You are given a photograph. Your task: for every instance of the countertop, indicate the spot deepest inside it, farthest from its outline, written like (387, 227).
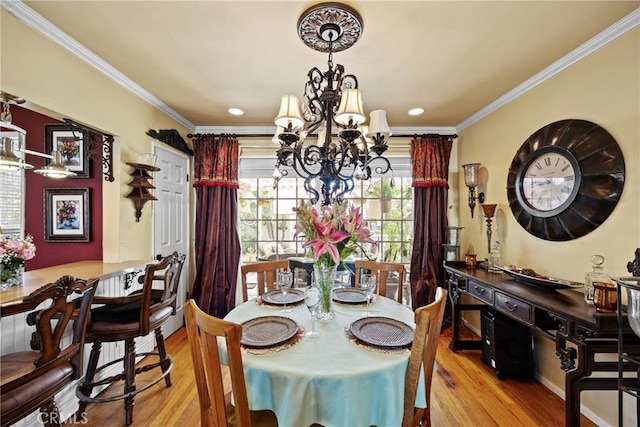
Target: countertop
(82, 269)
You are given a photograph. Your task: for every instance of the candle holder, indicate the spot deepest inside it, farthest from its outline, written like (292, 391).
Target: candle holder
(489, 211)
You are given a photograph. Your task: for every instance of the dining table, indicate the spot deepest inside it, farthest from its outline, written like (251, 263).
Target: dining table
(333, 379)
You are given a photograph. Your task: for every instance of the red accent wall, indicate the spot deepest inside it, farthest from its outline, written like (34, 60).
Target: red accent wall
(55, 253)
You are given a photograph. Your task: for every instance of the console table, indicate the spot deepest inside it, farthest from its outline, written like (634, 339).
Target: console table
(560, 315)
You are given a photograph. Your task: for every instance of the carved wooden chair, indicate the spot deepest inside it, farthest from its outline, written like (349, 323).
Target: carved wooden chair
(266, 272)
(30, 379)
(423, 355)
(125, 319)
(203, 331)
(381, 270)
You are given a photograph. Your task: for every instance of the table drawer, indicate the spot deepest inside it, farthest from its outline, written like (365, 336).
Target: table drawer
(513, 307)
(480, 291)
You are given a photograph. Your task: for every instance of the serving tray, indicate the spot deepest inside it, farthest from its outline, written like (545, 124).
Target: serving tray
(276, 297)
(382, 332)
(268, 331)
(548, 283)
(349, 296)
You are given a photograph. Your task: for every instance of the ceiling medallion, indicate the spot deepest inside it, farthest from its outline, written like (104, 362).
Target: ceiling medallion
(330, 22)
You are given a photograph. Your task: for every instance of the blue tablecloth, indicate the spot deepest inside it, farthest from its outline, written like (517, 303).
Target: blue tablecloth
(329, 380)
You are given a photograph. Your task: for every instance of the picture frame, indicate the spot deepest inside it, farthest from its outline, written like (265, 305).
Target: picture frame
(72, 145)
(67, 215)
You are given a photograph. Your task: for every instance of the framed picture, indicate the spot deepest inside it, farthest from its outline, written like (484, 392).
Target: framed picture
(67, 215)
(72, 145)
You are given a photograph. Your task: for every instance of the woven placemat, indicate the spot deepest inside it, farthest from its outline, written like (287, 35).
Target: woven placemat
(382, 331)
(356, 341)
(285, 345)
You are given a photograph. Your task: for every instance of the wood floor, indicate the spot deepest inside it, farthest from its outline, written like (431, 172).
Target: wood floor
(465, 392)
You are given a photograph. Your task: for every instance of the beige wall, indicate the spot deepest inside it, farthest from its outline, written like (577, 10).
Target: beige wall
(603, 88)
(39, 70)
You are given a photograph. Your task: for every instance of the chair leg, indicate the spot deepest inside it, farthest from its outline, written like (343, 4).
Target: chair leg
(129, 379)
(50, 414)
(86, 386)
(162, 351)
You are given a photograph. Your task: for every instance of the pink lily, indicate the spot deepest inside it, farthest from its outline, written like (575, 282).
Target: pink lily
(327, 244)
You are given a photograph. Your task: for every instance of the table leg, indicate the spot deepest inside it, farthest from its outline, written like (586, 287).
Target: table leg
(573, 376)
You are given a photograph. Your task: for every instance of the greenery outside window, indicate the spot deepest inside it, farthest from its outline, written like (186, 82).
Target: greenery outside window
(267, 219)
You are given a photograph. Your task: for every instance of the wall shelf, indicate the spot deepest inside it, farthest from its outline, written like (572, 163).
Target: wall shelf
(141, 186)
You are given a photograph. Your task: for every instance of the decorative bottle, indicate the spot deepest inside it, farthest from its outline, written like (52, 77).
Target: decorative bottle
(495, 258)
(597, 275)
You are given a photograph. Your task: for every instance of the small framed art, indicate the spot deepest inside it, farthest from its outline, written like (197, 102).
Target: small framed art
(67, 215)
(72, 145)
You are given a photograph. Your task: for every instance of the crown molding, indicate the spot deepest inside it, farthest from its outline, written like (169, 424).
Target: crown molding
(271, 130)
(40, 24)
(621, 27)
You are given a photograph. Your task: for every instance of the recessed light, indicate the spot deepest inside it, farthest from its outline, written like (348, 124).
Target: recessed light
(416, 111)
(236, 111)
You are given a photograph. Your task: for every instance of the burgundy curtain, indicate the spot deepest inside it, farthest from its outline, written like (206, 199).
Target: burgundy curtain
(217, 245)
(430, 163)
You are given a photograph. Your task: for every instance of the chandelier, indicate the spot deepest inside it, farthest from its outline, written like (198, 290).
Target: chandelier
(331, 100)
(9, 160)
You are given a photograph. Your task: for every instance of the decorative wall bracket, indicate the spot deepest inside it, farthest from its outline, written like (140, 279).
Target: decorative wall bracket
(140, 186)
(97, 152)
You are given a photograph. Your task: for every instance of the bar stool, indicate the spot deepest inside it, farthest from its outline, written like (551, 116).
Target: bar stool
(30, 379)
(124, 319)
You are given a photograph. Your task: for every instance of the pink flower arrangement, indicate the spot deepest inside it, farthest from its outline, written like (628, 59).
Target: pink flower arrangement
(333, 232)
(70, 147)
(66, 210)
(17, 251)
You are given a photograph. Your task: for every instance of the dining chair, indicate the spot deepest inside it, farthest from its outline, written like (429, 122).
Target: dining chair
(266, 275)
(214, 392)
(381, 270)
(126, 319)
(30, 379)
(428, 321)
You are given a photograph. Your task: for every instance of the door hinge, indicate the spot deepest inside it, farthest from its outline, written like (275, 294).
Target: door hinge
(187, 177)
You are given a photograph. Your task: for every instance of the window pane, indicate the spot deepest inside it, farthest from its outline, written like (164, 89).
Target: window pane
(268, 221)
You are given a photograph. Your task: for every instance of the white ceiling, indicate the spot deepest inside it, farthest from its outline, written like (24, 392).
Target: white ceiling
(452, 58)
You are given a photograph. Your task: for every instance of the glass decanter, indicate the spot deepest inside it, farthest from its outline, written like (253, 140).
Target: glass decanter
(495, 258)
(597, 275)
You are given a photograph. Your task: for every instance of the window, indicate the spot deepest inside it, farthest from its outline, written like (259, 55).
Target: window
(267, 219)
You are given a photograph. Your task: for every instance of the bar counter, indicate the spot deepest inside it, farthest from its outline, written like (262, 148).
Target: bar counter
(82, 269)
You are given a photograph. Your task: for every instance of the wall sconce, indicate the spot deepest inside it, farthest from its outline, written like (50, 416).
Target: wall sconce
(471, 180)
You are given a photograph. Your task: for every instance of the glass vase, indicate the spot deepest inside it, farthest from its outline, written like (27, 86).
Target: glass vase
(325, 277)
(10, 275)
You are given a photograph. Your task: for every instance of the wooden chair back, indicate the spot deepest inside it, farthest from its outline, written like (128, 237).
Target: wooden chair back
(30, 377)
(428, 321)
(381, 270)
(266, 272)
(203, 331)
(171, 281)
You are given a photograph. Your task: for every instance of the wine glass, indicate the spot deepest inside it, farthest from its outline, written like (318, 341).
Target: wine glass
(312, 300)
(284, 281)
(368, 285)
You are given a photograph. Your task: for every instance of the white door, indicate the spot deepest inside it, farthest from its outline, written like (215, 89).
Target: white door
(171, 219)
